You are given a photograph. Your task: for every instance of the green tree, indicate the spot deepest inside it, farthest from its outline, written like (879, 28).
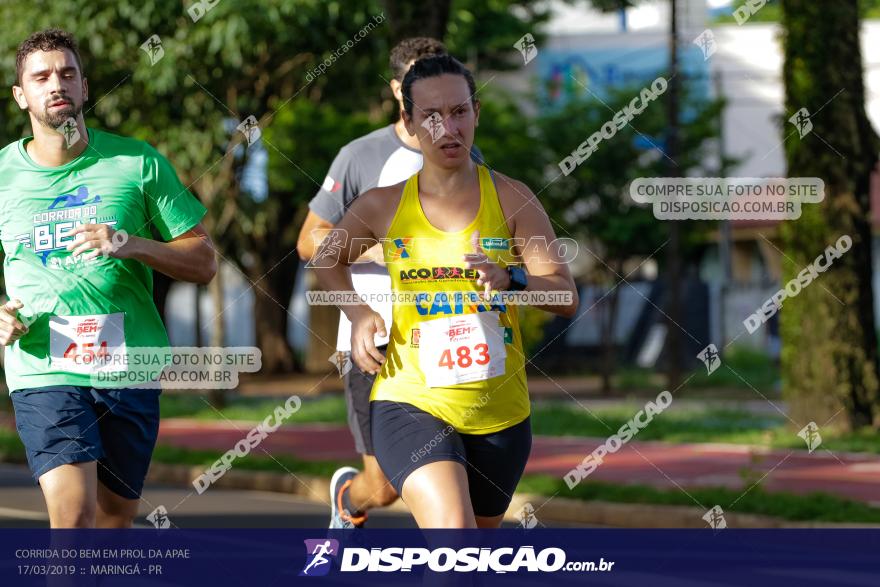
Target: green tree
(829, 354)
(592, 202)
(772, 11)
(672, 151)
(418, 19)
(485, 33)
(310, 134)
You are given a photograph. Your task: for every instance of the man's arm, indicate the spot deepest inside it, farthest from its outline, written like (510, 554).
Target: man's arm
(314, 230)
(341, 187)
(331, 266)
(188, 257)
(171, 209)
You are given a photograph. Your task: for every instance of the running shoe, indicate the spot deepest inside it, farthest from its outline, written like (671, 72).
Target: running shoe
(339, 516)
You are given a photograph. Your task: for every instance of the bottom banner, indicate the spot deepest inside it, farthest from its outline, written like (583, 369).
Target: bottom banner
(275, 557)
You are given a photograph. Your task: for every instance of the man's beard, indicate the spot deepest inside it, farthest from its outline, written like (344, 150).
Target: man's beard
(56, 118)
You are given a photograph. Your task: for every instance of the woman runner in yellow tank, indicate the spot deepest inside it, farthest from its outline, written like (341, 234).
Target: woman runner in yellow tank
(450, 407)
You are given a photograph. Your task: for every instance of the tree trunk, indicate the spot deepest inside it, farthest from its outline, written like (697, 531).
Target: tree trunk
(217, 397)
(272, 292)
(829, 353)
(609, 320)
(673, 251)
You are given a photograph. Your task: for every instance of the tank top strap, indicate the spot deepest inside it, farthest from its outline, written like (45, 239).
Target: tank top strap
(407, 208)
(492, 215)
(410, 190)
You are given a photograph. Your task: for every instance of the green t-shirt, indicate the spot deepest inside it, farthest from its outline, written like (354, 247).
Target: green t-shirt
(74, 307)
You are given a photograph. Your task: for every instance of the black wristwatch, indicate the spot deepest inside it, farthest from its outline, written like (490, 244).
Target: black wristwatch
(519, 279)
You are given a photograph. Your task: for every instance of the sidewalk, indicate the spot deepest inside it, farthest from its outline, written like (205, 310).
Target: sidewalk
(659, 464)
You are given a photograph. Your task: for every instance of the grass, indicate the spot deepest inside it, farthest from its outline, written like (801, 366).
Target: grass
(818, 507)
(696, 425)
(11, 448)
(326, 409)
(866, 440)
(742, 367)
(711, 425)
(636, 378)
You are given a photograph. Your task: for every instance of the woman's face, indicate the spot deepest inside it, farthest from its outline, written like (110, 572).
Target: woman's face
(444, 118)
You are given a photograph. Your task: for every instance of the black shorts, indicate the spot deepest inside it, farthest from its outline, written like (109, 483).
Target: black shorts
(358, 386)
(65, 424)
(406, 438)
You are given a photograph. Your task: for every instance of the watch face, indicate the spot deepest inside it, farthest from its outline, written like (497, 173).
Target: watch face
(517, 278)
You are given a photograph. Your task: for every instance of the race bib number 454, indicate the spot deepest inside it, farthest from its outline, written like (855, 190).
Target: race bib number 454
(87, 344)
(461, 349)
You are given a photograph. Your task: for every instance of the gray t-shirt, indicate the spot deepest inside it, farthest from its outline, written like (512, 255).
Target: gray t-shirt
(377, 159)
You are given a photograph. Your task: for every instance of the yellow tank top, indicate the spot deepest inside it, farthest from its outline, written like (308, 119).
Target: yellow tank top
(427, 263)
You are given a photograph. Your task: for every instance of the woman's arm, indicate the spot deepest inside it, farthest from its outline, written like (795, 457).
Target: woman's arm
(547, 270)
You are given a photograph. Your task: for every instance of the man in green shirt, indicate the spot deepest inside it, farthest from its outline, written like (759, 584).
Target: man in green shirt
(78, 208)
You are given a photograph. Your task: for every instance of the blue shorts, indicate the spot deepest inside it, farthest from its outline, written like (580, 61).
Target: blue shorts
(68, 424)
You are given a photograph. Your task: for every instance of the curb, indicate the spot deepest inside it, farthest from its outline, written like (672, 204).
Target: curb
(548, 511)
(567, 511)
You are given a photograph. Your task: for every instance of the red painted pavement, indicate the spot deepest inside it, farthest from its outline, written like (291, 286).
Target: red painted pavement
(658, 464)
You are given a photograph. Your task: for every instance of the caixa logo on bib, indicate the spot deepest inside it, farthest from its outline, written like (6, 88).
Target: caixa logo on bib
(319, 553)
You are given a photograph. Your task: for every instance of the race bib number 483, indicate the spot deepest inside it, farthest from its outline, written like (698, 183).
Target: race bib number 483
(87, 344)
(462, 349)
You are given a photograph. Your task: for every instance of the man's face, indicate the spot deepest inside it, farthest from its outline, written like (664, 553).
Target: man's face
(52, 87)
(447, 99)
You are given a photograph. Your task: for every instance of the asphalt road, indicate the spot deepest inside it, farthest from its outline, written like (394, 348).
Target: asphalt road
(22, 506)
